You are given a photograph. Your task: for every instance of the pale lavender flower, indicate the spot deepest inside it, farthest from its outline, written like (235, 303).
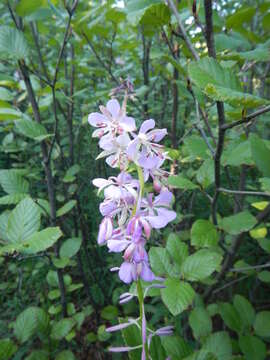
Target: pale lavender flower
(112, 120)
(144, 149)
(105, 230)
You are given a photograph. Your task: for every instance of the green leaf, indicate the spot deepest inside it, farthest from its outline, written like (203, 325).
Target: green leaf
(203, 234)
(66, 208)
(236, 224)
(240, 16)
(38, 355)
(23, 221)
(31, 129)
(230, 317)
(176, 347)
(264, 276)
(65, 355)
(261, 154)
(238, 154)
(205, 175)
(70, 247)
(61, 328)
(196, 147)
(252, 347)
(160, 262)
(200, 265)
(3, 226)
(181, 182)
(177, 295)
(200, 322)
(262, 324)
(136, 9)
(177, 249)
(41, 241)
(27, 7)
(220, 83)
(12, 199)
(156, 15)
(71, 172)
(110, 312)
(132, 337)
(5, 94)
(26, 324)
(12, 182)
(244, 309)
(219, 344)
(7, 349)
(12, 43)
(9, 114)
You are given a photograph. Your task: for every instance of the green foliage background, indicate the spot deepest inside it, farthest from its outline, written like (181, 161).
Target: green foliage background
(209, 85)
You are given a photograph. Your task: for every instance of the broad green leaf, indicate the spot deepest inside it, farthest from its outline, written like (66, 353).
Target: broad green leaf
(160, 262)
(230, 317)
(71, 172)
(12, 182)
(203, 234)
(196, 147)
(205, 175)
(54, 294)
(240, 16)
(177, 249)
(26, 324)
(181, 182)
(23, 221)
(200, 322)
(261, 154)
(220, 83)
(52, 278)
(200, 265)
(252, 347)
(244, 309)
(27, 7)
(41, 241)
(12, 43)
(156, 15)
(7, 114)
(238, 154)
(110, 312)
(12, 199)
(238, 223)
(66, 208)
(38, 355)
(264, 276)
(258, 233)
(219, 344)
(260, 205)
(136, 9)
(7, 349)
(65, 355)
(176, 347)
(262, 324)
(5, 94)
(3, 226)
(31, 129)
(61, 328)
(264, 244)
(70, 247)
(177, 295)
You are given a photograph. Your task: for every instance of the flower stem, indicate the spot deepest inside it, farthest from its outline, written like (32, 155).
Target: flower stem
(145, 350)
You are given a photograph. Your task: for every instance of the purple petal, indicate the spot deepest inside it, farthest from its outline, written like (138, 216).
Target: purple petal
(157, 222)
(148, 162)
(97, 120)
(117, 245)
(101, 183)
(132, 149)
(147, 125)
(119, 327)
(107, 142)
(128, 123)
(113, 107)
(112, 161)
(107, 207)
(170, 215)
(127, 272)
(157, 135)
(164, 198)
(121, 349)
(146, 273)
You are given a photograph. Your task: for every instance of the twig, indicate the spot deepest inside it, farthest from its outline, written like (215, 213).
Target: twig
(247, 118)
(239, 192)
(182, 30)
(230, 284)
(247, 268)
(200, 129)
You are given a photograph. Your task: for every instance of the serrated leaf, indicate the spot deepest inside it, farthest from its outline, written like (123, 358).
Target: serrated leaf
(27, 7)
(31, 129)
(200, 265)
(262, 324)
(41, 241)
(219, 344)
(264, 276)
(160, 262)
(61, 328)
(70, 247)
(230, 317)
(12, 182)
(12, 199)
(27, 323)
(220, 83)
(12, 43)
(110, 312)
(203, 234)
(260, 153)
(181, 182)
(252, 347)
(238, 223)
(177, 249)
(176, 347)
(23, 221)
(66, 208)
(7, 349)
(244, 309)
(177, 295)
(200, 322)
(5, 94)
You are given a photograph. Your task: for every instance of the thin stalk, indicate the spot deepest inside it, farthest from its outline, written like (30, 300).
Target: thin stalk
(145, 350)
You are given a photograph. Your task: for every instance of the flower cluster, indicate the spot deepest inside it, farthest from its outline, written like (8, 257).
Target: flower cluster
(128, 214)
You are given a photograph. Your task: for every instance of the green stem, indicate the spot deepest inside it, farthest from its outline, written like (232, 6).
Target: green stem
(141, 307)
